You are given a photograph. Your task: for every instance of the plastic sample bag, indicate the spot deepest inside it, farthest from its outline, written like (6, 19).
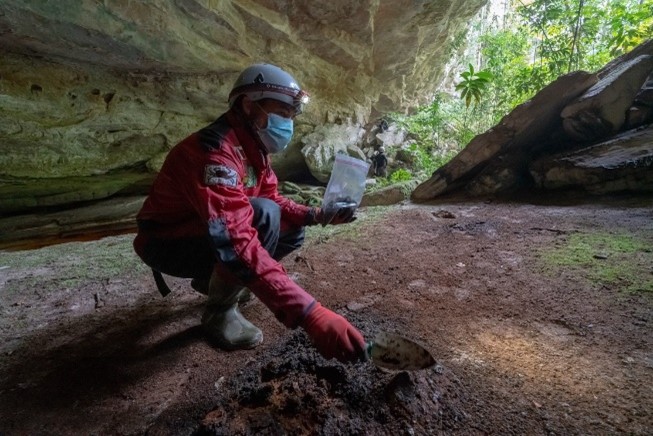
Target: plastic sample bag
(346, 185)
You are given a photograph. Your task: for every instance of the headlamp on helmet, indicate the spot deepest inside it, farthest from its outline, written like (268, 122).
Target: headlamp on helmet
(261, 81)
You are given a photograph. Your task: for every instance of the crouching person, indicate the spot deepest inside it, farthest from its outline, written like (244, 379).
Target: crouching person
(214, 215)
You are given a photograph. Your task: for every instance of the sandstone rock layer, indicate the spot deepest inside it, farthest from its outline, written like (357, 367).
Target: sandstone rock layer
(87, 87)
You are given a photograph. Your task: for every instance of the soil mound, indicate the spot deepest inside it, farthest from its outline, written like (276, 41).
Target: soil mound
(295, 391)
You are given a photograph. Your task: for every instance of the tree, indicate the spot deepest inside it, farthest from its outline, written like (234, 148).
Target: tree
(630, 24)
(533, 44)
(505, 55)
(473, 85)
(572, 35)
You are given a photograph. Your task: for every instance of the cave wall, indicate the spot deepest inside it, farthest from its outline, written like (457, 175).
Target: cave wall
(89, 88)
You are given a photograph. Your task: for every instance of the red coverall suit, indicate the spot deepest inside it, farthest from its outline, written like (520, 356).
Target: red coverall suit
(199, 206)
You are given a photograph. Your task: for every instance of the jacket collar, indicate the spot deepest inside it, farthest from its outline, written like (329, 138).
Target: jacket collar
(248, 140)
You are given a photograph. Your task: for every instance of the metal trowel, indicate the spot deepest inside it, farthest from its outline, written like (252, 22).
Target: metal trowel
(391, 351)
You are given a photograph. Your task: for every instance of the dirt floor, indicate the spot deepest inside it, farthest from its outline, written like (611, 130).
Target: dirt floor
(540, 318)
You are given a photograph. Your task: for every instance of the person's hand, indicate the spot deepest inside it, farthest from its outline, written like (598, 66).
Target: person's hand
(333, 335)
(342, 215)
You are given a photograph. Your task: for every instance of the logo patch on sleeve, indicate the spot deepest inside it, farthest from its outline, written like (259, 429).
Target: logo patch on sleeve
(220, 175)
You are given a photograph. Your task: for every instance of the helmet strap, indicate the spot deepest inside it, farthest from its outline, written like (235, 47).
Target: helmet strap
(249, 124)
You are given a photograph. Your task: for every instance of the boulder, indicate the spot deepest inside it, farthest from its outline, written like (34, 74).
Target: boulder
(641, 112)
(91, 221)
(522, 128)
(392, 194)
(623, 163)
(638, 115)
(394, 136)
(325, 142)
(501, 160)
(19, 196)
(601, 111)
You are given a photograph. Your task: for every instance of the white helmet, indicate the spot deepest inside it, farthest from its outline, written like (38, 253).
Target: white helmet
(261, 81)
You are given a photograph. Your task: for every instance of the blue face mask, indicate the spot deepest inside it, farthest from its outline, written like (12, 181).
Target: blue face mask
(277, 134)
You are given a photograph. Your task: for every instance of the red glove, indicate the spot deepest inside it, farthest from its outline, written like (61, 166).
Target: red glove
(333, 335)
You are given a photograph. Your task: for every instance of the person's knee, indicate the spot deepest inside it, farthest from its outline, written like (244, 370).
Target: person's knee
(294, 238)
(289, 241)
(266, 213)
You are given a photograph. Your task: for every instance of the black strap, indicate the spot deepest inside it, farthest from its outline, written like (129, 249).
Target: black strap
(160, 283)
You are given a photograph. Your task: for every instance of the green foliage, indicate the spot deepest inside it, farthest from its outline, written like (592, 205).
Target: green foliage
(616, 259)
(428, 160)
(473, 84)
(400, 175)
(630, 24)
(437, 133)
(505, 53)
(308, 195)
(424, 124)
(568, 35)
(535, 43)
